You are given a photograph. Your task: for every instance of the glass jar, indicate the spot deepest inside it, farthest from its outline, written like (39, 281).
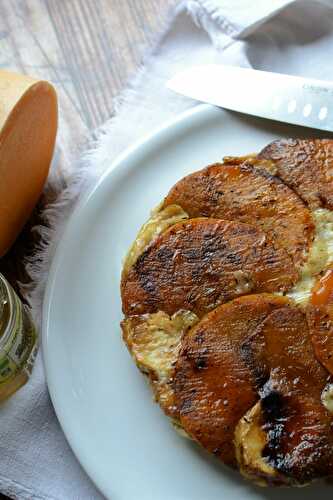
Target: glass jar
(18, 341)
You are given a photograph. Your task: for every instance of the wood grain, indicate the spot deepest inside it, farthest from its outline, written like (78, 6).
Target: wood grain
(88, 49)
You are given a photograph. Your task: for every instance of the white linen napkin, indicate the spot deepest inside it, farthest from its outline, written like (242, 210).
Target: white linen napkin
(278, 35)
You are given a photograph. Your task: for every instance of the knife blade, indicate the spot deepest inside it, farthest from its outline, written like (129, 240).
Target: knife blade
(292, 99)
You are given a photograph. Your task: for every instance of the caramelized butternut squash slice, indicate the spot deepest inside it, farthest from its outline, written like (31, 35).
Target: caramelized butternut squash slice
(306, 166)
(214, 387)
(201, 263)
(247, 194)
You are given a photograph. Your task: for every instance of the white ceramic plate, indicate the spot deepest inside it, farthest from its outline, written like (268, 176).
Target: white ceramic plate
(104, 405)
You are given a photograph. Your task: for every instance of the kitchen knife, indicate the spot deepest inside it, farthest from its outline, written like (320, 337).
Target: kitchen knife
(292, 99)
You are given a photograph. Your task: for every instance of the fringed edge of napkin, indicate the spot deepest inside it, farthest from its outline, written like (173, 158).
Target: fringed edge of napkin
(208, 12)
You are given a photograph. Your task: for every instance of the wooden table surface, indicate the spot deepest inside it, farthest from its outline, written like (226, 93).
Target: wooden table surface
(88, 49)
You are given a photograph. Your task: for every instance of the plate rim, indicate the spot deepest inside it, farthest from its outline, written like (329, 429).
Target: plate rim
(141, 146)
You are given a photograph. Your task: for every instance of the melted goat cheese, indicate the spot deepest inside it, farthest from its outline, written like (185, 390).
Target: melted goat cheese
(160, 220)
(327, 397)
(320, 256)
